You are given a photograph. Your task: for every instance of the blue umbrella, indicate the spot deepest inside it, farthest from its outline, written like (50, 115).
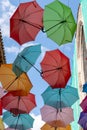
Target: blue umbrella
(83, 120)
(26, 59)
(85, 87)
(58, 98)
(24, 121)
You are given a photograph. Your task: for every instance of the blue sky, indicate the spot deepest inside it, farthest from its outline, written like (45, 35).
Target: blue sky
(7, 7)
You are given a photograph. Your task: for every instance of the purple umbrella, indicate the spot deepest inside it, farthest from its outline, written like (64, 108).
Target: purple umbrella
(83, 104)
(83, 120)
(55, 117)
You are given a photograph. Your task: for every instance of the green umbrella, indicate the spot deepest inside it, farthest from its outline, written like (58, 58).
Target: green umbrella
(59, 22)
(23, 121)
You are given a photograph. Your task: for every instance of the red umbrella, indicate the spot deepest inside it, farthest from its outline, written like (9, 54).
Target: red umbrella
(18, 104)
(56, 68)
(55, 117)
(0, 107)
(26, 22)
(83, 104)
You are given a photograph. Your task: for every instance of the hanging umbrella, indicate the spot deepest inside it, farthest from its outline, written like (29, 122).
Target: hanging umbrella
(55, 117)
(0, 107)
(26, 22)
(19, 128)
(11, 82)
(23, 121)
(83, 104)
(48, 127)
(56, 68)
(59, 22)
(26, 59)
(18, 104)
(59, 98)
(85, 87)
(1, 124)
(83, 120)
(10, 129)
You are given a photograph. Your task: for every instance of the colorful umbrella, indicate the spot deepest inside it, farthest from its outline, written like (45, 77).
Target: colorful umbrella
(85, 87)
(59, 22)
(20, 128)
(83, 104)
(55, 117)
(11, 82)
(83, 120)
(18, 104)
(26, 22)
(56, 68)
(48, 127)
(0, 107)
(26, 59)
(1, 124)
(59, 98)
(23, 121)
(10, 129)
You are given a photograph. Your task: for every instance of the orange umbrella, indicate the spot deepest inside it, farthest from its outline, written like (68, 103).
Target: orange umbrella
(48, 127)
(11, 82)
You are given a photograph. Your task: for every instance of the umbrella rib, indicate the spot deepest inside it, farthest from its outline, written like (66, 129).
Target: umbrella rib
(29, 23)
(12, 83)
(62, 22)
(54, 11)
(30, 63)
(24, 103)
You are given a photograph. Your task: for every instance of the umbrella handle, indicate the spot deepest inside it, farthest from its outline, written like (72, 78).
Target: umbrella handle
(38, 27)
(61, 22)
(30, 64)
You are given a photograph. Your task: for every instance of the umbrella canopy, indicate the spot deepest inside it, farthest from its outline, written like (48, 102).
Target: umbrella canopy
(18, 104)
(14, 129)
(60, 25)
(1, 124)
(55, 117)
(23, 121)
(26, 22)
(55, 68)
(48, 127)
(26, 59)
(83, 120)
(11, 82)
(83, 104)
(10, 129)
(85, 87)
(59, 98)
(0, 107)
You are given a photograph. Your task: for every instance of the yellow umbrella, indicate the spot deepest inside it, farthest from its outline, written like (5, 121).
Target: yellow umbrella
(1, 124)
(11, 82)
(48, 127)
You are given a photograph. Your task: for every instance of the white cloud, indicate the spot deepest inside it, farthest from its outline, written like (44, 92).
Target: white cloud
(12, 49)
(38, 123)
(7, 10)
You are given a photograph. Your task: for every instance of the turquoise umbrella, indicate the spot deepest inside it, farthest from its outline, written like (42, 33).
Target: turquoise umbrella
(23, 121)
(59, 98)
(26, 59)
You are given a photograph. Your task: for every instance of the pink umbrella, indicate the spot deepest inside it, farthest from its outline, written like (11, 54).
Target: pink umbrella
(55, 117)
(10, 129)
(83, 104)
